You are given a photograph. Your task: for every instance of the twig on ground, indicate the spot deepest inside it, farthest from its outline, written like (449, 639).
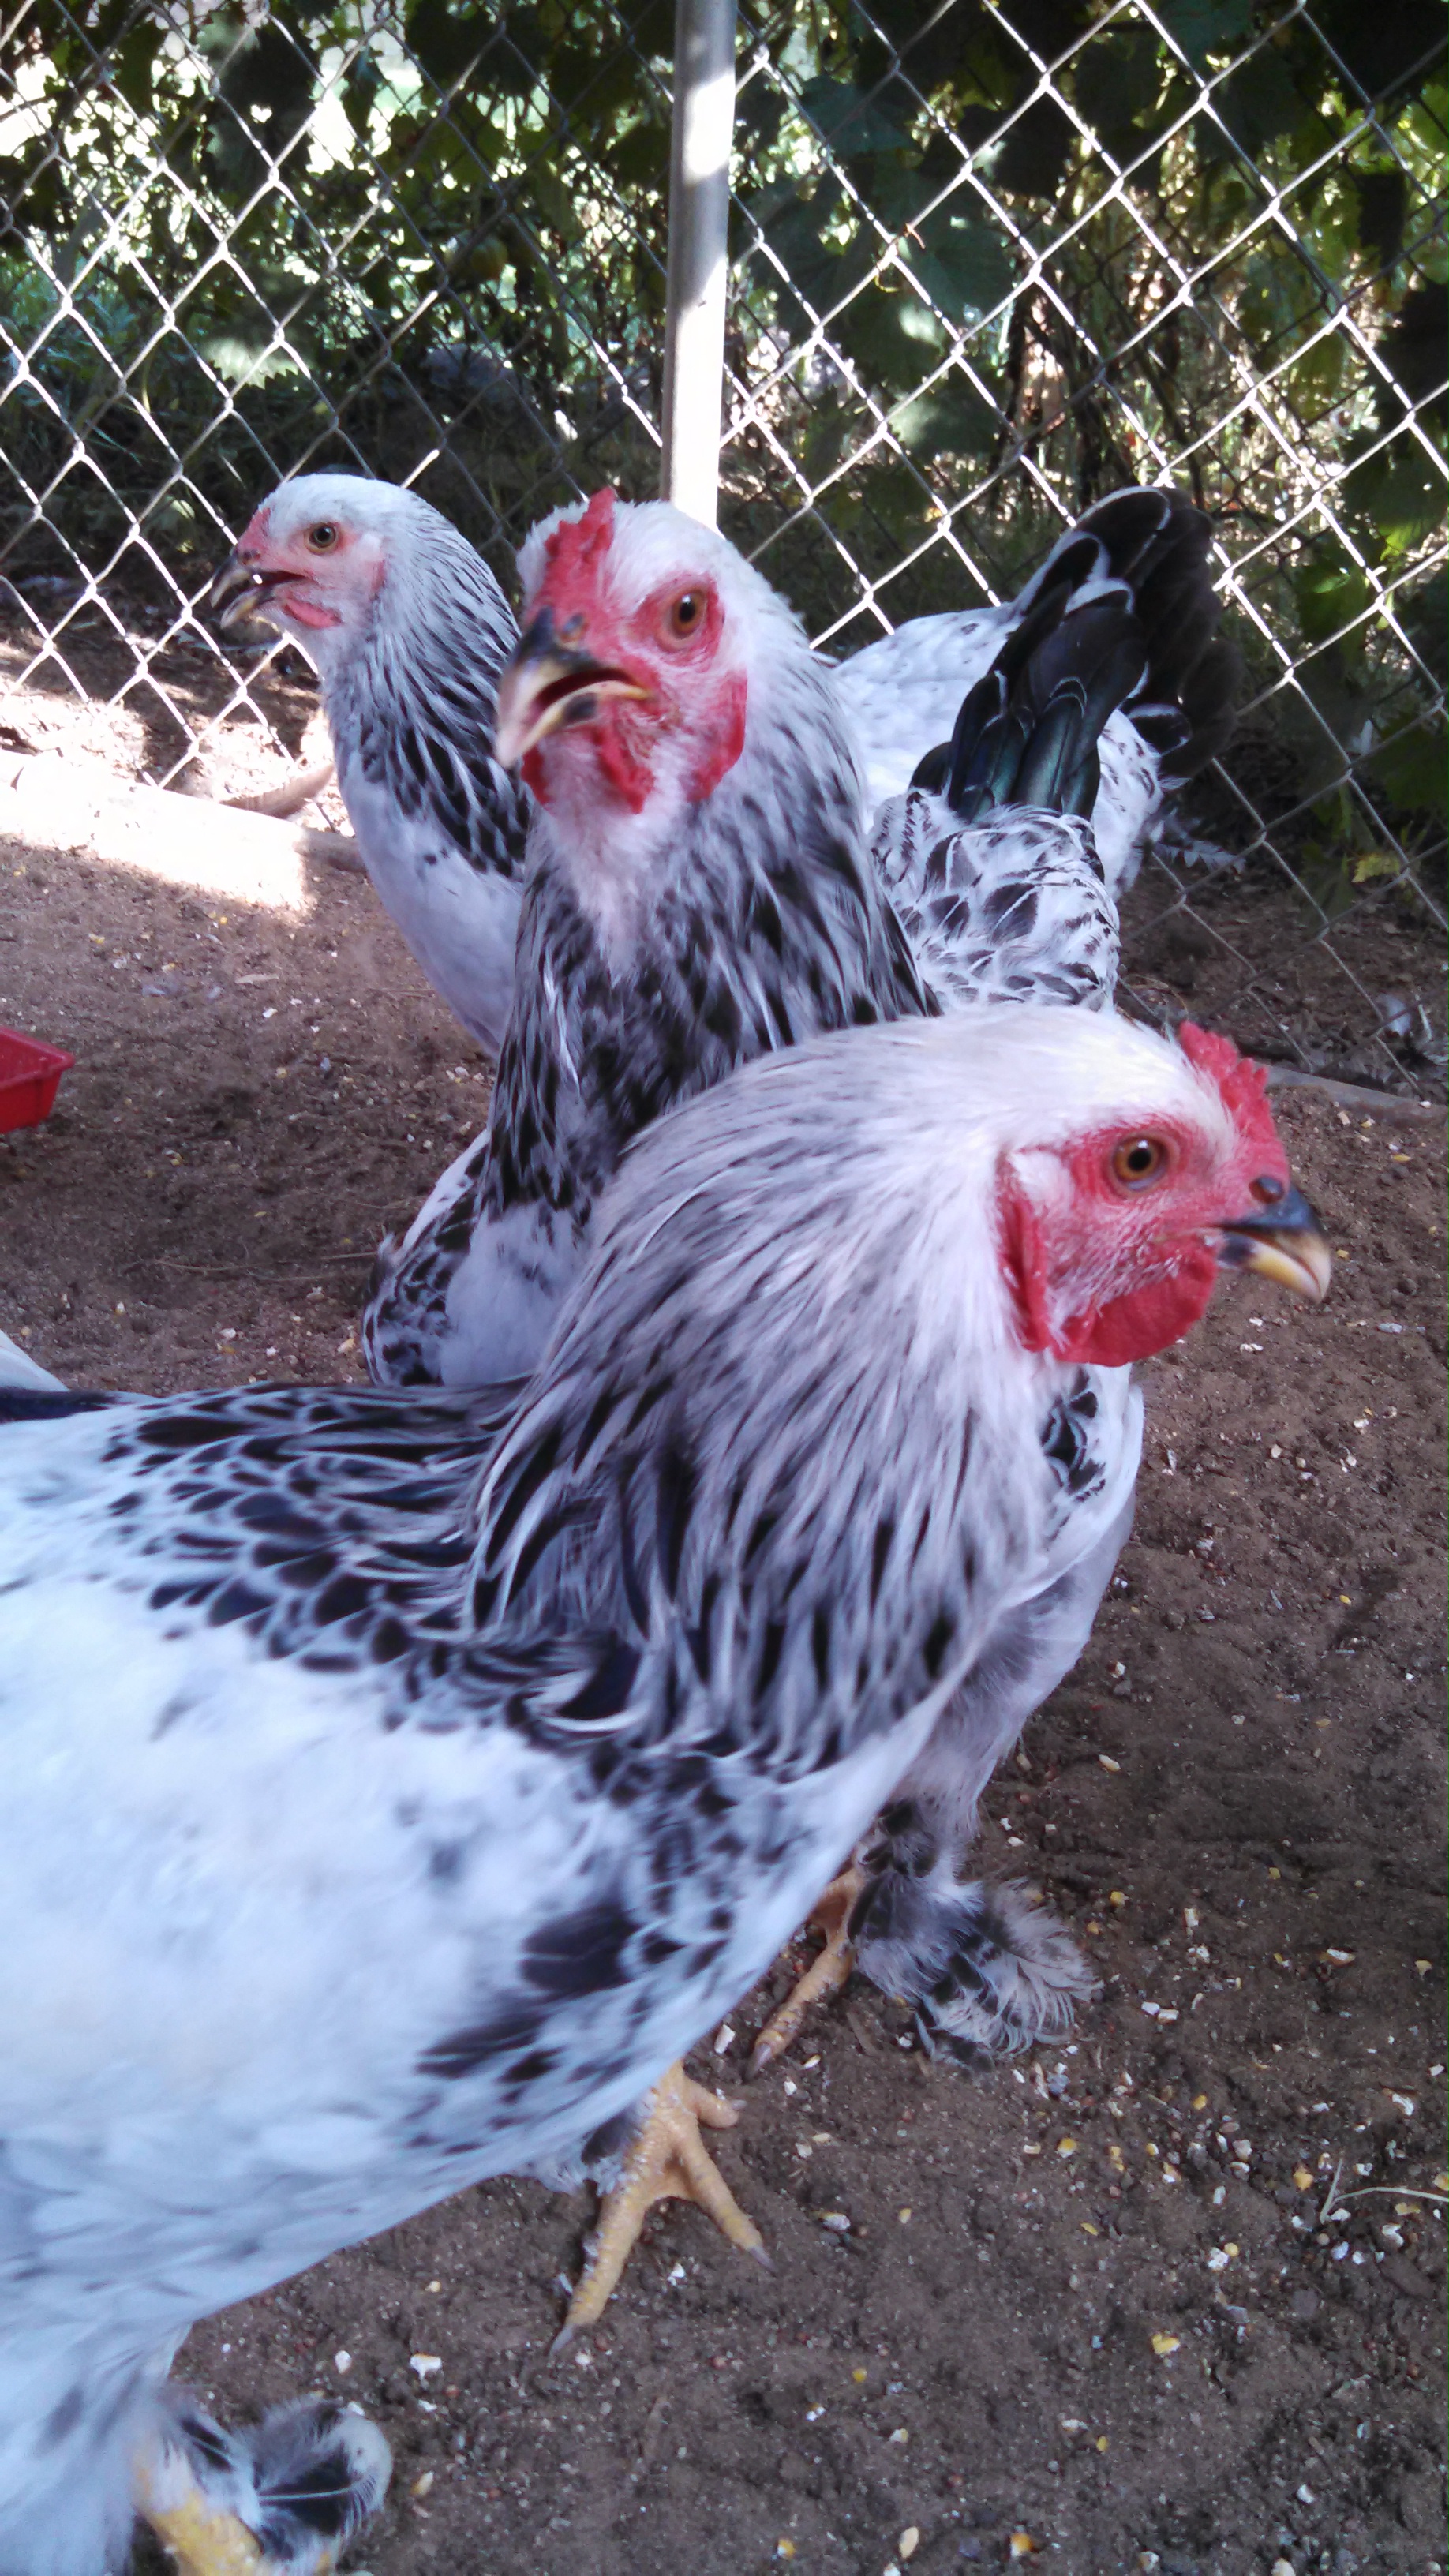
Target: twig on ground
(288, 799)
(1353, 1095)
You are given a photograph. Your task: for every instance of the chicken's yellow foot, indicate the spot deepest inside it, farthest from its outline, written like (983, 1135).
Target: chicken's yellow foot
(828, 1970)
(203, 2538)
(667, 2161)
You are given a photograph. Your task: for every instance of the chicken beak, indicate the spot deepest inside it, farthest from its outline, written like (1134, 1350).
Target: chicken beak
(238, 591)
(548, 684)
(1283, 1241)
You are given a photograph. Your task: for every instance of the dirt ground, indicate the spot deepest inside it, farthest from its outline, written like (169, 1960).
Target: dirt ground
(1168, 2297)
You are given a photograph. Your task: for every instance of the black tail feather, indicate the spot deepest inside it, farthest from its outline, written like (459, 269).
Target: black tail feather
(1147, 551)
(1159, 545)
(1209, 700)
(1028, 731)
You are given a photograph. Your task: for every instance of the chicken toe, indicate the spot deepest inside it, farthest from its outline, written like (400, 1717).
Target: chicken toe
(667, 2161)
(828, 1970)
(279, 2498)
(204, 2540)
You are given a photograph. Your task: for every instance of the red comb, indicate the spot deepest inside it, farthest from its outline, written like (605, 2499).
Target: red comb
(577, 547)
(1242, 1083)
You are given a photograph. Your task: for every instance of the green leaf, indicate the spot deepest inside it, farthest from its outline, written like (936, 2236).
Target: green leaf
(1261, 101)
(1204, 27)
(1330, 591)
(445, 41)
(242, 361)
(1119, 80)
(132, 66)
(1414, 769)
(1397, 498)
(1378, 863)
(964, 264)
(893, 339)
(951, 420)
(849, 121)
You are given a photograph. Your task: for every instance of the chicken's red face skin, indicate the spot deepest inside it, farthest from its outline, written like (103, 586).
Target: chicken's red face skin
(1112, 1247)
(672, 646)
(318, 572)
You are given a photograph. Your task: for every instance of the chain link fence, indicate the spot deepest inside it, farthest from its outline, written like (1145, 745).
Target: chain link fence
(234, 246)
(989, 259)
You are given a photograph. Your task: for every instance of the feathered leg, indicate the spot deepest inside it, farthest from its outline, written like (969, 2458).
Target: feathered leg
(988, 1969)
(667, 2161)
(281, 2498)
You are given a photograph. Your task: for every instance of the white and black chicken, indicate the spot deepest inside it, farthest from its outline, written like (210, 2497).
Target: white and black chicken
(702, 886)
(409, 630)
(700, 892)
(394, 1787)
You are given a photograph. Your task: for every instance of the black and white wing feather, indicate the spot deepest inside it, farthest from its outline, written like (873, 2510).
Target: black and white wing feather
(901, 696)
(989, 859)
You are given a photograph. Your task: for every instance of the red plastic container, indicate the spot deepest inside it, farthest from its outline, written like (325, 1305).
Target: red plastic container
(29, 1079)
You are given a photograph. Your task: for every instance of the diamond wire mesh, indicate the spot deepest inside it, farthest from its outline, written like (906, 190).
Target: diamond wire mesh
(236, 246)
(994, 258)
(990, 258)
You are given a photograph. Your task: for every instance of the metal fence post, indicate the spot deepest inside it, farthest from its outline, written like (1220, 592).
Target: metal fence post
(699, 205)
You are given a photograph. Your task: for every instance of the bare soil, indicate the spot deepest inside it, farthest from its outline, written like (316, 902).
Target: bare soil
(1100, 2297)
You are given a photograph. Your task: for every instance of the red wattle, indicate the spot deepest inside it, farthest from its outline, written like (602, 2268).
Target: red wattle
(1146, 1320)
(631, 778)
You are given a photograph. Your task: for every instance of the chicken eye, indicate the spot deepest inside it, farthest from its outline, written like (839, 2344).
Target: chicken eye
(686, 613)
(1138, 1161)
(322, 538)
